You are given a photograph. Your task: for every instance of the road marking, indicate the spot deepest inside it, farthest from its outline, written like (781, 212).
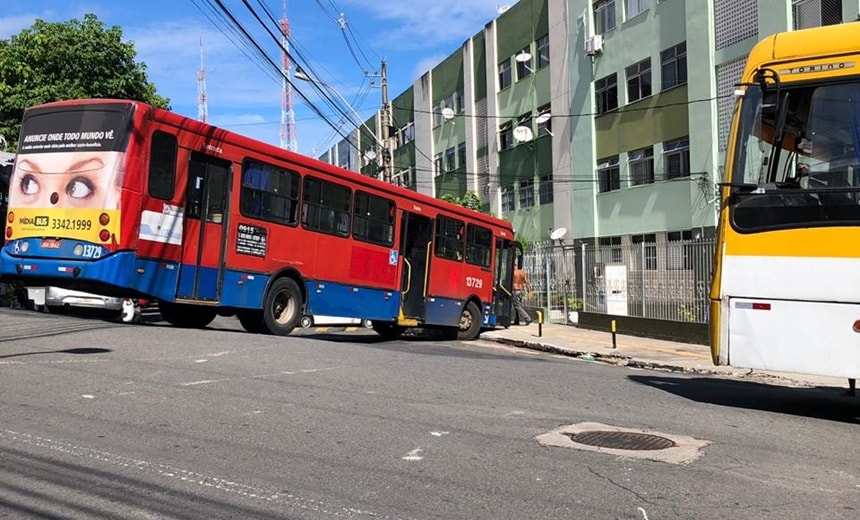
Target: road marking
(439, 434)
(204, 382)
(88, 396)
(413, 455)
(511, 414)
(200, 360)
(190, 477)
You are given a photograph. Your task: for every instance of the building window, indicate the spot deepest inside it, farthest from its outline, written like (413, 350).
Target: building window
(609, 174)
(459, 102)
(527, 193)
(649, 250)
(676, 158)
(543, 52)
(640, 163)
(638, 80)
(437, 165)
(461, 157)
(525, 121)
(407, 133)
(523, 59)
(544, 121)
(504, 74)
(680, 251)
(508, 198)
(545, 195)
(604, 16)
(611, 247)
(634, 7)
(673, 66)
(506, 136)
(450, 159)
(606, 92)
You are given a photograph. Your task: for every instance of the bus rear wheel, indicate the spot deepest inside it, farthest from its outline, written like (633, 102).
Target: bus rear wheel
(283, 308)
(387, 329)
(470, 323)
(252, 321)
(186, 316)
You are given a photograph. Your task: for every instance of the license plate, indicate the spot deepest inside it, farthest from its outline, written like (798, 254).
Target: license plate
(50, 243)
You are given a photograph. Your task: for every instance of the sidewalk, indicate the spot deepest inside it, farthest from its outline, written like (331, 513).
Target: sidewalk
(634, 351)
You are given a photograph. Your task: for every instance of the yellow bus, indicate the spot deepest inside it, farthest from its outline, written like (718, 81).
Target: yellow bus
(785, 294)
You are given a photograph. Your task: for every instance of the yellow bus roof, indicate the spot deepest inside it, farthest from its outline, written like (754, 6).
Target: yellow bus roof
(806, 44)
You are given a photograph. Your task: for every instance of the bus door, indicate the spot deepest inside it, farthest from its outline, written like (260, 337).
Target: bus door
(204, 233)
(416, 235)
(503, 289)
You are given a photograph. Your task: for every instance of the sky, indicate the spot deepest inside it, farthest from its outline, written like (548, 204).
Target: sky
(244, 90)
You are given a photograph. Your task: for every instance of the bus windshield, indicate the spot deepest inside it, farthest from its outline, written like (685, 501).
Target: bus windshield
(797, 157)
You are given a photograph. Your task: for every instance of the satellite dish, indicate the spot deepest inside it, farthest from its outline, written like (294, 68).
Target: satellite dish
(523, 57)
(502, 8)
(558, 233)
(543, 118)
(448, 113)
(523, 134)
(369, 155)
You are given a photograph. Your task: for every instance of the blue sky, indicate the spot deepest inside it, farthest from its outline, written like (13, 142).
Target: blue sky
(243, 95)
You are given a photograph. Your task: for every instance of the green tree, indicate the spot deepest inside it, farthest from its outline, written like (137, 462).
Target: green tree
(68, 60)
(469, 200)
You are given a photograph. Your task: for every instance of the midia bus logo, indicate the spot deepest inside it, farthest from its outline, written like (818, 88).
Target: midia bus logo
(34, 221)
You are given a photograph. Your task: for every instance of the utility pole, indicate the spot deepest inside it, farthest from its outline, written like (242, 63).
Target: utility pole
(386, 123)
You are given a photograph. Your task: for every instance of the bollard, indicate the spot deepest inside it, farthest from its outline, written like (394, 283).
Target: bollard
(540, 323)
(613, 334)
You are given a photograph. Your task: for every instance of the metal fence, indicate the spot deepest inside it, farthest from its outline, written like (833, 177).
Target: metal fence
(660, 280)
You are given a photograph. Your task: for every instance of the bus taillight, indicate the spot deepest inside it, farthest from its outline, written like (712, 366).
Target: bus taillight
(104, 235)
(856, 326)
(8, 231)
(104, 220)
(10, 217)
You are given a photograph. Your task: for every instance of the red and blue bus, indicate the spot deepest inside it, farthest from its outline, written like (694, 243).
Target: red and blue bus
(120, 198)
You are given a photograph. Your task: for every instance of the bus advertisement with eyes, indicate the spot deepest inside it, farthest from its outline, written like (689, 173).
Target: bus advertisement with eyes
(67, 179)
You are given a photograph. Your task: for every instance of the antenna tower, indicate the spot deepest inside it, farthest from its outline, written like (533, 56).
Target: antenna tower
(288, 118)
(202, 107)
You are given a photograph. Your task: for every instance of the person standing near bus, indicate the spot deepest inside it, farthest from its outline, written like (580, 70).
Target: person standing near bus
(521, 284)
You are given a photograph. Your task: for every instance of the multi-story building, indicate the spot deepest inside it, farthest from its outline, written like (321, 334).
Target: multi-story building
(605, 117)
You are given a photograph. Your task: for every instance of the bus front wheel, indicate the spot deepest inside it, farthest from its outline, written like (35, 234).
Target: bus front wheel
(470, 322)
(283, 308)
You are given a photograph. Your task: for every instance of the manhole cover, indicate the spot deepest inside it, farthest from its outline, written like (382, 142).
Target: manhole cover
(621, 440)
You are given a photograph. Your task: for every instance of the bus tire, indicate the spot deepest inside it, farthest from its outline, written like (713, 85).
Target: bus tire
(252, 321)
(387, 329)
(470, 323)
(283, 307)
(186, 316)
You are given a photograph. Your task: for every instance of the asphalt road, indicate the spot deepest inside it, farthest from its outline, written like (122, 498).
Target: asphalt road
(116, 421)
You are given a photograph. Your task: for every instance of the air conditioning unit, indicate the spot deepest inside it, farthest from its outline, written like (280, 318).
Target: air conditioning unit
(594, 44)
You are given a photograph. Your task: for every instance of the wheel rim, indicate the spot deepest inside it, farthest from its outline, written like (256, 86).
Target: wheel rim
(284, 307)
(466, 320)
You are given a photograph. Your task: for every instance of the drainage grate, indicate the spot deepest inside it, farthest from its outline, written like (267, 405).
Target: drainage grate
(621, 440)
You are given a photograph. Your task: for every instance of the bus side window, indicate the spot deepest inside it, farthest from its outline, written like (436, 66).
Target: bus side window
(162, 165)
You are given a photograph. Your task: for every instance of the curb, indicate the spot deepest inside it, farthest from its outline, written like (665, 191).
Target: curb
(629, 361)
